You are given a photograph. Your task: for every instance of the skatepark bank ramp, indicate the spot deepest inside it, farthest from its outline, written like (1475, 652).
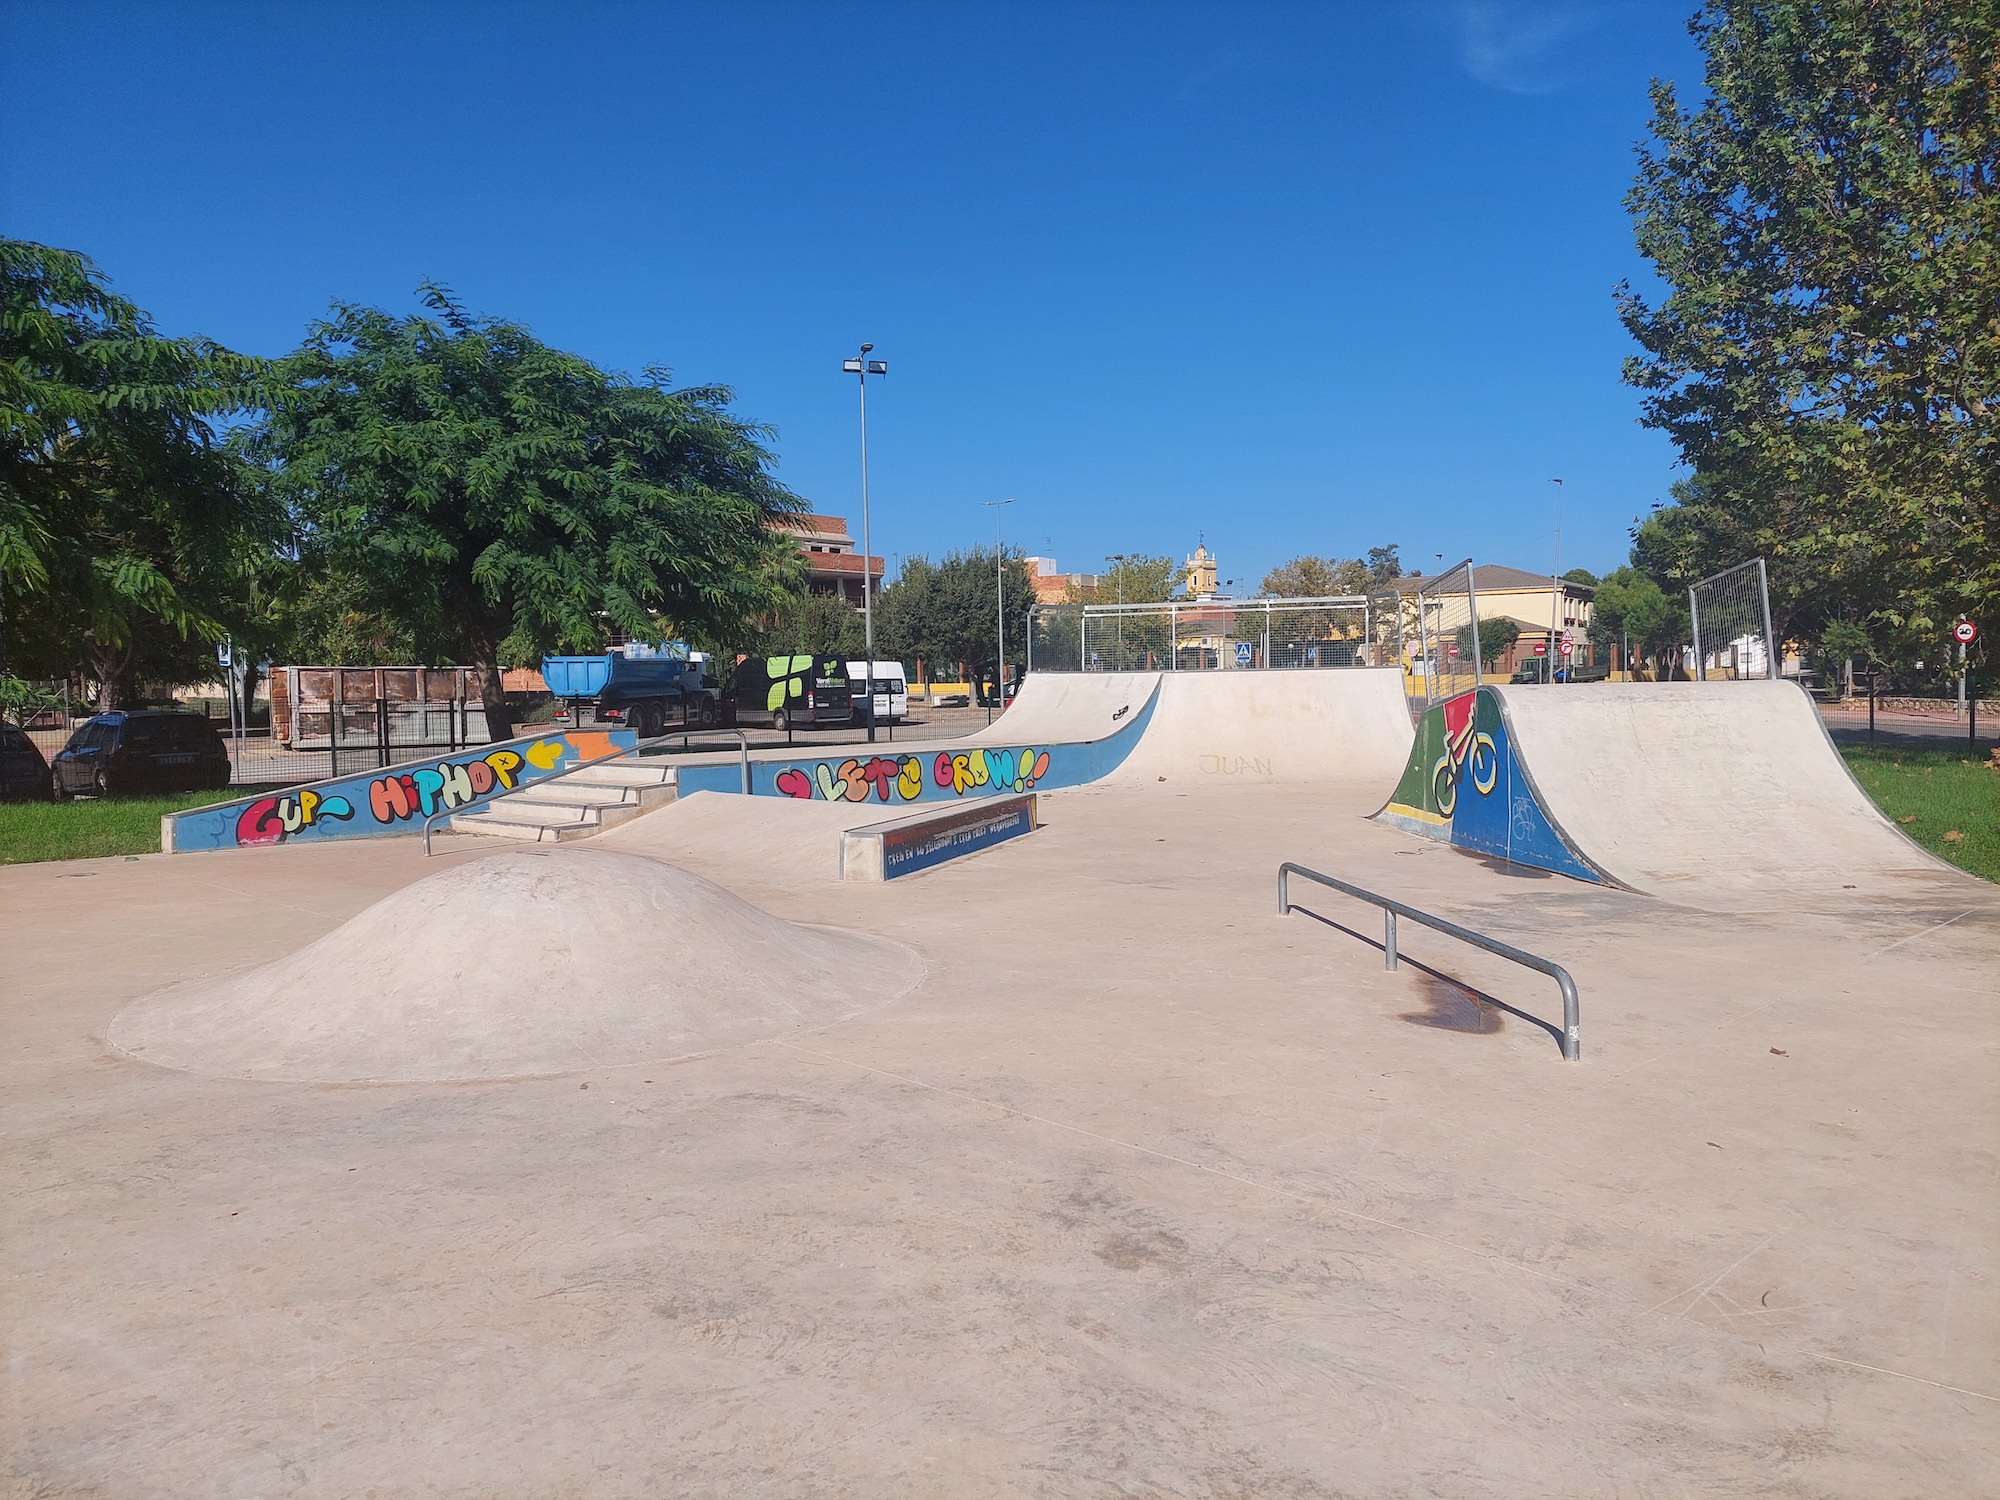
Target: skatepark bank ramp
(1120, 729)
(1685, 790)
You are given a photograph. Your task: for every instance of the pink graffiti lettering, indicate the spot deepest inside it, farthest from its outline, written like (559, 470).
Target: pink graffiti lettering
(795, 783)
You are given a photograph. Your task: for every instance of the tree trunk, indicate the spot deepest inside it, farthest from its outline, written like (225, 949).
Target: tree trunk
(112, 667)
(499, 719)
(247, 692)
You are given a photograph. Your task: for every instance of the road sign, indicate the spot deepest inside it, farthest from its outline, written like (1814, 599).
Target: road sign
(1541, 648)
(222, 653)
(1569, 642)
(1965, 632)
(1451, 650)
(1243, 653)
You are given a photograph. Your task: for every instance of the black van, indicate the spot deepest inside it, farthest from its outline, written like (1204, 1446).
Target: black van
(141, 751)
(784, 691)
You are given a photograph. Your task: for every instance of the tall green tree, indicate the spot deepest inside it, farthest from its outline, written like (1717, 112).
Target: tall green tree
(127, 529)
(1135, 578)
(491, 498)
(1827, 354)
(946, 614)
(816, 625)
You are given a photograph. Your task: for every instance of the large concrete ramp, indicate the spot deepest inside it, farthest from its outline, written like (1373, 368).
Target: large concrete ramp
(1216, 729)
(1712, 787)
(1715, 794)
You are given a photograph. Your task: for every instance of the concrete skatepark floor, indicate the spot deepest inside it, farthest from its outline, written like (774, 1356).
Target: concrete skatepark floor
(1143, 1191)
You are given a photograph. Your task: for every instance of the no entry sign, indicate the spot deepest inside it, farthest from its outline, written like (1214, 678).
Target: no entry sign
(1541, 648)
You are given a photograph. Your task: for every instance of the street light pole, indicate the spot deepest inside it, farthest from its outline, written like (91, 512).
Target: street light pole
(1555, 585)
(1000, 611)
(863, 368)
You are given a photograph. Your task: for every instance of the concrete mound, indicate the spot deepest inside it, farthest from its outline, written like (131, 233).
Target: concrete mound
(517, 965)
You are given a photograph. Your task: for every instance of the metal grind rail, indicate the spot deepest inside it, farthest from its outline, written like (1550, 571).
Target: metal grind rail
(634, 751)
(1572, 1045)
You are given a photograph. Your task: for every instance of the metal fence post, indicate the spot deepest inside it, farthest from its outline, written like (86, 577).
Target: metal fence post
(1424, 650)
(381, 733)
(1478, 647)
(1771, 664)
(1694, 626)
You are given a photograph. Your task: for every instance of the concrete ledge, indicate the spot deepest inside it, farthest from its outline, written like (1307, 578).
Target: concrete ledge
(903, 846)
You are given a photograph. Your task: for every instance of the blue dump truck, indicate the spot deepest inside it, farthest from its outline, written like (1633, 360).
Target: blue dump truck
(640, 687)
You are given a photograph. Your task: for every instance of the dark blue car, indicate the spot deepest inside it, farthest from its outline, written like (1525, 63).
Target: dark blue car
(145, 750)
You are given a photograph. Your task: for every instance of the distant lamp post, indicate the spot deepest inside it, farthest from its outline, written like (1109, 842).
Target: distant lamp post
(1121, 558)
(1000, 611)
(863, 367)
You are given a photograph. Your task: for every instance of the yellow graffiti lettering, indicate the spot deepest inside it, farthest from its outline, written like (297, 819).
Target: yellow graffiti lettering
(308, 805)
(909, 778)
(505, 764)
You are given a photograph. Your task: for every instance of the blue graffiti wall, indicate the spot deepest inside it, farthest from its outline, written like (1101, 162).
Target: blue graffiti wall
(382, 802)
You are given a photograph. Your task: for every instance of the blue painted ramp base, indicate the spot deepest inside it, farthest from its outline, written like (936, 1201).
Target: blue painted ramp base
(1466, 785)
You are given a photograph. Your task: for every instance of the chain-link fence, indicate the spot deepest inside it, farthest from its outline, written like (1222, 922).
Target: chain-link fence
(1730, 613)
(1217, 635)
(1433, 630)
(309, 723)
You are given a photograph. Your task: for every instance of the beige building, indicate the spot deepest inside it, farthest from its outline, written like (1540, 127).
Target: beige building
(1538, 603)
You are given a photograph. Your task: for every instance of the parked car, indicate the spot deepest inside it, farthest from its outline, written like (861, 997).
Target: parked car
(23, 772)
(891, 689)
(149, 750)
(783, 691)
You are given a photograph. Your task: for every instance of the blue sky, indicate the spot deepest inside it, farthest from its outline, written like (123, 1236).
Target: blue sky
(1301, 278)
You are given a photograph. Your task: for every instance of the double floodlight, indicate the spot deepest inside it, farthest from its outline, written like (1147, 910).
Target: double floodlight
(874, 366)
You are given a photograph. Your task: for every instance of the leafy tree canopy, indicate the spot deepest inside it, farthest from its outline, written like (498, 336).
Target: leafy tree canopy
(126, 528)
(1827, 355)
(817, 624)
(1495, 636)
(1136, 578)
(1631, 609)
(946, 614)
(489, 498)
(1306, 576)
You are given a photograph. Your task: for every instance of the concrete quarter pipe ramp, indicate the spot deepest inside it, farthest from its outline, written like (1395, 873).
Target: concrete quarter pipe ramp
(1120, 729)
(1699, 791)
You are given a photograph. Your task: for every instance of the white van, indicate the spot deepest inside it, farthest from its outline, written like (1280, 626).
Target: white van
(892, 691)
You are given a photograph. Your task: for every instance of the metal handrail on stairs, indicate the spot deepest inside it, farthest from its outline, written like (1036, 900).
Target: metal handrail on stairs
(1572, 1045)
(603, 760)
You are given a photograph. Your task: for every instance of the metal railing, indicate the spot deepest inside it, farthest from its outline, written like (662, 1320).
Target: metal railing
(604, 760)
(1572, 1044)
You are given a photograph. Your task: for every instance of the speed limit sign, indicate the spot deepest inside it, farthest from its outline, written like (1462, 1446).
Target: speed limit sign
(1965, 632)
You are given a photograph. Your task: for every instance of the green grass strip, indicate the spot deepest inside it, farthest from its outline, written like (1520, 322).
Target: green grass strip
(1935, 792)
(93, 827)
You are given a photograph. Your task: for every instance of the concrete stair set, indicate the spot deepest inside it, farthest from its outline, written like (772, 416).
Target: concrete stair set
(573, 806)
